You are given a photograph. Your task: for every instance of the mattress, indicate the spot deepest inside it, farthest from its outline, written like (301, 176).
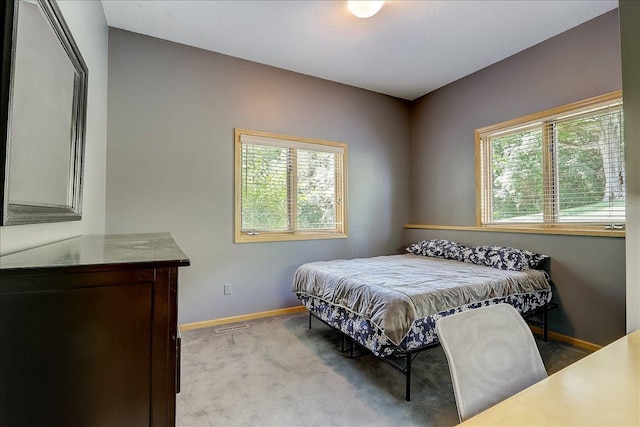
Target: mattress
(390, 304)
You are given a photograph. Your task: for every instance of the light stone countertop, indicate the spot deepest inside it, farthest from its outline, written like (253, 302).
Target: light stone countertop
(103, 250)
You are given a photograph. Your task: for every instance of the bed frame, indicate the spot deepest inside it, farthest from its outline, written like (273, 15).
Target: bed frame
(538, 317)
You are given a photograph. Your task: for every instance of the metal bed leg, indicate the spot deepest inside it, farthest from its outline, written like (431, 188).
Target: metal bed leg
(543, 322)
(407, 391)
(545, 325)
(406, 370)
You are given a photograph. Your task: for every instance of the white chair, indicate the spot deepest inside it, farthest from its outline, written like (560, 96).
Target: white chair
(492, 355)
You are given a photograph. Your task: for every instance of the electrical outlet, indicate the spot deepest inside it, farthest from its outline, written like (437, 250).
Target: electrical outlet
(227, 288)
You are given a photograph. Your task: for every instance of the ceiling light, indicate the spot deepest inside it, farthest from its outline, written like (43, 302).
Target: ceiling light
(364, 9)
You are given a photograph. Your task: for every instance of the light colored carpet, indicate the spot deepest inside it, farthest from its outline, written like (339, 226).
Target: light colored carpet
(277, 372)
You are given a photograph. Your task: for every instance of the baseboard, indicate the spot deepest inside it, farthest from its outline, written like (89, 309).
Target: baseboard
(292, 310)
(567, 339)
(241, 318)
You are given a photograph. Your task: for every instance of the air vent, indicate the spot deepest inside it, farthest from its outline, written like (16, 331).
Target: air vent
(230, 328)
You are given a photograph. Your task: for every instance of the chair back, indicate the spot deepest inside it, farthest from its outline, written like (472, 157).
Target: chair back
(492, 355)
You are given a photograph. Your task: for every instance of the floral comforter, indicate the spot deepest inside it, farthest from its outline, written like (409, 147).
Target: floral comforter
(391, 303)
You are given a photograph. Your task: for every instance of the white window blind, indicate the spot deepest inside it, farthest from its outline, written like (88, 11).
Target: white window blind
(289, 186)
(565, 168)
(265, 198)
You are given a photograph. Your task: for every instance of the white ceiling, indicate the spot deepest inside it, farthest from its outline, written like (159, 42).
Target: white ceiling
(408, 49)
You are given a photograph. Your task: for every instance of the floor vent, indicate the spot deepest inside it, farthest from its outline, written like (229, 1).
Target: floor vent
(230, 328)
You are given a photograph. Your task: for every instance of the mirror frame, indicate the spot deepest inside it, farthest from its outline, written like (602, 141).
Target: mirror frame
(12, 214)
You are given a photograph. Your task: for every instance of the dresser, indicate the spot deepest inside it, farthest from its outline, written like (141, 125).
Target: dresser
(88, 332)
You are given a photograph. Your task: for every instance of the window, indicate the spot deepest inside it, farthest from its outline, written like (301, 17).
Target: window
(289, 188)
(560, 168)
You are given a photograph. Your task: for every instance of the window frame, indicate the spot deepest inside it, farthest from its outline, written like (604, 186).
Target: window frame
(292, 234)
(483, 196)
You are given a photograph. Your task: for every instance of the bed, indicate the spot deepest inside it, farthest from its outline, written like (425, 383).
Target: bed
(389, 304)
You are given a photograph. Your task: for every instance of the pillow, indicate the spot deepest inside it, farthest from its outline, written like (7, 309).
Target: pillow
(504, 258)
(438, 249)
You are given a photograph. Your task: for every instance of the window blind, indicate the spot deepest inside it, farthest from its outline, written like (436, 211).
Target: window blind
(290, 186)
(589, 163)
(566, 168)
(265, 198)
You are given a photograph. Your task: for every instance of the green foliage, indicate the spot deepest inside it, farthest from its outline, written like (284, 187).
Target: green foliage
(316, 190)
(516, 162)
(580, 163)
(585, 167)
(265, 181)
(264, 188)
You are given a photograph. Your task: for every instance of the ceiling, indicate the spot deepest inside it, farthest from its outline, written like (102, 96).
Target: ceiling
(408, 49)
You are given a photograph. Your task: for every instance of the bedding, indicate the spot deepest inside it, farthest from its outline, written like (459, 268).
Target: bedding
(389, 304)
(438, 249)
(502, 257)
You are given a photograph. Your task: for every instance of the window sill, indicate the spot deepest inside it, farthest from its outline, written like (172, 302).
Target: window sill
(284, 237)
(567, 231)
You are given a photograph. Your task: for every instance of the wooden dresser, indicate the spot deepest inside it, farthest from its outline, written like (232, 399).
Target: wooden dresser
(88, 332)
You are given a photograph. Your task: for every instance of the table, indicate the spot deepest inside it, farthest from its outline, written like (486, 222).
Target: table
(602, 389)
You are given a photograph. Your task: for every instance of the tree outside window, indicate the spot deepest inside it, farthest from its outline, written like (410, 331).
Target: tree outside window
(564, 168)
(289, 188)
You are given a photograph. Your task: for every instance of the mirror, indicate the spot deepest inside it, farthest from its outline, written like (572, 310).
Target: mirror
(44, 98)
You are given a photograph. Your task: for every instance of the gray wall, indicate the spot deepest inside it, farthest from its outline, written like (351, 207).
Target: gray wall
(588, 278)
(589, 272)
(171, 114)
(172, 110)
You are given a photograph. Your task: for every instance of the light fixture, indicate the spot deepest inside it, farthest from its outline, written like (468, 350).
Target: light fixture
(364, 9)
